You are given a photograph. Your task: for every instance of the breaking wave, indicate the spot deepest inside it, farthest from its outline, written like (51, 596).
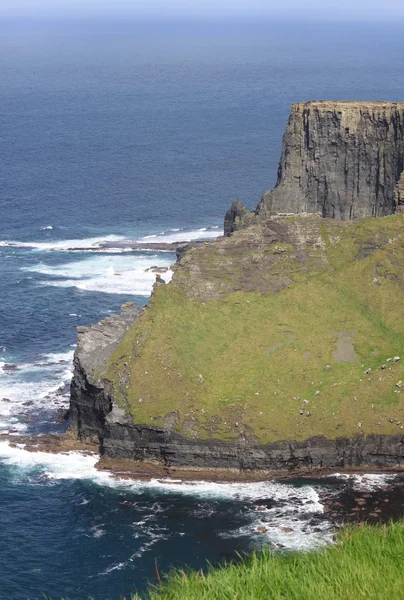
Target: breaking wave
(26, 388)
(294, 521)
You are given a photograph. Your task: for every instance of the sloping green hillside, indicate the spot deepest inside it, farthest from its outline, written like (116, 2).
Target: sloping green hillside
(288, 361)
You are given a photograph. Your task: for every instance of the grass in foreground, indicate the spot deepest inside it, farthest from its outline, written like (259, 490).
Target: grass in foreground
(367, 562)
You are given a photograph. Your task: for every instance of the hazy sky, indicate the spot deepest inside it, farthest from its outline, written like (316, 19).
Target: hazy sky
(374, 9)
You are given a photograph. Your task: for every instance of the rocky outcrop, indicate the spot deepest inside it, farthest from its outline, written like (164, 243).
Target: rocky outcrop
(184, 247)
(90, 401)
(341, 160)
(235, 216)
(253, 259)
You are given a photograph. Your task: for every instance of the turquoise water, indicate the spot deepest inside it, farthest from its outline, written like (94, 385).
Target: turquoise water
(130, 132)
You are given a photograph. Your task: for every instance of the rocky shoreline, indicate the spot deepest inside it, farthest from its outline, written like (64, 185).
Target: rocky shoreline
(347, 497)
(144, 470)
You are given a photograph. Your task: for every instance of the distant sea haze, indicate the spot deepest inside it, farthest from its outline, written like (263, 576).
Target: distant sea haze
(141, 132)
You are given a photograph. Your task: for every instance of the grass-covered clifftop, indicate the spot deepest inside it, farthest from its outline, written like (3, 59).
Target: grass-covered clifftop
(366, 563)
(286, 330)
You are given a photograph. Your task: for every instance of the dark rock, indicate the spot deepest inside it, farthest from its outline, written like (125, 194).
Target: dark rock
(90, 402)
(159, 280)
(62, 415)
(234, 217)
(399, 194)
(156, 269)
(342, 160)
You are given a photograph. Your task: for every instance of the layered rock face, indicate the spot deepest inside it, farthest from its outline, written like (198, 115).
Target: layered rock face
(342, 160)
(339, 159)
(124, 440)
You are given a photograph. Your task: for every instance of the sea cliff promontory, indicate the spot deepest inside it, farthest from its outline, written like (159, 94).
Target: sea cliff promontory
(342, 160)
(281, 345)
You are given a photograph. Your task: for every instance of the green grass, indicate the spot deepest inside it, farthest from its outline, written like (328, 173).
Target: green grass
(367, 562)
(252, 359)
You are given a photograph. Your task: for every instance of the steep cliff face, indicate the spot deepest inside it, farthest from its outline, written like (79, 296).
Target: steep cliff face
(399, 194)
(90, 400)
(124, 440)
(339, 159)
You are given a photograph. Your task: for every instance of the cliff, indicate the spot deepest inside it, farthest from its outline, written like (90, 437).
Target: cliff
(276, 348)
(90, 402)
(341, 160)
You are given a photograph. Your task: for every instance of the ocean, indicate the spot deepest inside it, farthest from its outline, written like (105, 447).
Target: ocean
(147, 132)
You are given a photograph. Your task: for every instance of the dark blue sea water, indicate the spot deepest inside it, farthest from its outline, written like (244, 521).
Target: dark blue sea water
(125, 131)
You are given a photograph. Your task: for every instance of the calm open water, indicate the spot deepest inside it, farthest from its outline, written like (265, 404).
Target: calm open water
(117, 131)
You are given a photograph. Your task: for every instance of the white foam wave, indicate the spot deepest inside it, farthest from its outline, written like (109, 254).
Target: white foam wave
(69, 465)
(116, 274)
(36, 385)
(63, 245)
(367, 481)
(97, 243)
(97, 531)
(137, 283)
(78, 465)
(183, 235)
(288, 523)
